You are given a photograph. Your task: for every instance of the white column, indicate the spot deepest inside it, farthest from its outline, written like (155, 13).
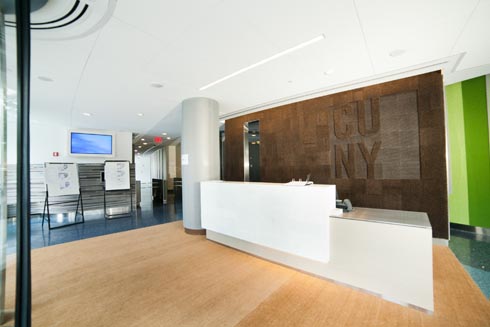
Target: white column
(200, 156)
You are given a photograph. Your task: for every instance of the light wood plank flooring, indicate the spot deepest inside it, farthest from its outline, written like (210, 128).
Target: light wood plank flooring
(160, 276)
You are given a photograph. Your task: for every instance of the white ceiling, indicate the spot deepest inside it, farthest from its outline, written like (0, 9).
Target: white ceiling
(104, 64)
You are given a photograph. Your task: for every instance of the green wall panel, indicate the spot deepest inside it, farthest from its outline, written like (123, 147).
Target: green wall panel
(458, 197)
(477, 150)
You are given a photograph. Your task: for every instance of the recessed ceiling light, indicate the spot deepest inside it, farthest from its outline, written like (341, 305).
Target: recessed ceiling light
(87, 114)
(45, 78)
(397, 52)
(139, 146)
(135, 150)
(277, 55)
(169, 138)
(145, 143)
(142, 139)
(254, 135)
(140, 114)
(164, 134)
(156, 85)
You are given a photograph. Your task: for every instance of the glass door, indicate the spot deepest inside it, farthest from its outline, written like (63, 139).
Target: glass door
(15, 279)
(8, 127)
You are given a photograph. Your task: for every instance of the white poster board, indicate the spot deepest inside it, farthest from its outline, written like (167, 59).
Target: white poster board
(61, 178)
(116, 175)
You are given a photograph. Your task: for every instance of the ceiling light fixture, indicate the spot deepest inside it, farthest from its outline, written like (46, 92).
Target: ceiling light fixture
(140, 114)
(139, 146)
(277, 55)
(156, 85)
(145, 143)
(397, 52)
(87, 114)
(169, 138)
(45, 78)
(142, 139)
(164, 134)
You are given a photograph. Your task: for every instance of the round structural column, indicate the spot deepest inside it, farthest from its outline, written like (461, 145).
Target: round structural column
(200, 156)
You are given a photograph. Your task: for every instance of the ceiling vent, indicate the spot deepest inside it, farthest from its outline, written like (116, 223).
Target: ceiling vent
(62, 20)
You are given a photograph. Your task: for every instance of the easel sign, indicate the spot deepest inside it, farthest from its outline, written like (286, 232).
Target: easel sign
(117, 175)
(117, 178)
(61, 179)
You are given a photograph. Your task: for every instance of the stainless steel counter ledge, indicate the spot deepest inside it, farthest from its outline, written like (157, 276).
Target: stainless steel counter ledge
(396, 217)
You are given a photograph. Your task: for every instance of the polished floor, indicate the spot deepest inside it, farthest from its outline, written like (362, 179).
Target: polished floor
(473, 251)
(149, 214)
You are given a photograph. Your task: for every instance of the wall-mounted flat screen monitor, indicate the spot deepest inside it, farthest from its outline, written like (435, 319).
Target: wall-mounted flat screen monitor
(91, 144)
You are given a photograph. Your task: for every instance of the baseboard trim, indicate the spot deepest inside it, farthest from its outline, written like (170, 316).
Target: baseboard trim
(473, 229)
(440, 241)
(195, 231)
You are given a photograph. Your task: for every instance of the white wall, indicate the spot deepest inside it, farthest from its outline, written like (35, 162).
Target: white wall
(46, 139)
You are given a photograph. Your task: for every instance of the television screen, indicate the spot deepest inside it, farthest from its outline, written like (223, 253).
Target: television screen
(88, 143)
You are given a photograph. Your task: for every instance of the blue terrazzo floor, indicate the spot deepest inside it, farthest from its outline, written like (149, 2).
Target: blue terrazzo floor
(473, 251)
(149, 214)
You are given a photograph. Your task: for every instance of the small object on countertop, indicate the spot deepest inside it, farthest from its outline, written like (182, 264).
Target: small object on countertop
(345, 205)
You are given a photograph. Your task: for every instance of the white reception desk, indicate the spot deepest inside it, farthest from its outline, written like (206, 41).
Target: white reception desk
(385, 252)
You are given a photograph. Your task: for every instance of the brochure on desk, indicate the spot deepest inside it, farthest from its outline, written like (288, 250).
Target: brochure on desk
(116, 175)
(61, 178)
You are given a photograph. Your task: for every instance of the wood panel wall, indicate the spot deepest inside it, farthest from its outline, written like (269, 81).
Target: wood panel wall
(382, 145)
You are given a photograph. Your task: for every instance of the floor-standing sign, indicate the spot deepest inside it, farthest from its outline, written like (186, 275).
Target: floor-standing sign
(117, 178)
(62, 183)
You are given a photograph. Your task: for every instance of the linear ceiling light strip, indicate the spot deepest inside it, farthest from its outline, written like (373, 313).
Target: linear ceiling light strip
(277, 55)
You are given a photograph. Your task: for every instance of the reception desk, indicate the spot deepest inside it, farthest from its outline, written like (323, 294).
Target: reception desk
(385, 252)
(290, 219)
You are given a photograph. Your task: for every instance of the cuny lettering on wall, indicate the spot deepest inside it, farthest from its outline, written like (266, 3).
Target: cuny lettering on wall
(377, 138)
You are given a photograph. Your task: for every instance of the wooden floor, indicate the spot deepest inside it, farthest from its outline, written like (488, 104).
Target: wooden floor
(160, 276)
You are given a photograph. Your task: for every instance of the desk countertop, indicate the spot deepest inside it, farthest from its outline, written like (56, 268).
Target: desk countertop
(397, 217)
